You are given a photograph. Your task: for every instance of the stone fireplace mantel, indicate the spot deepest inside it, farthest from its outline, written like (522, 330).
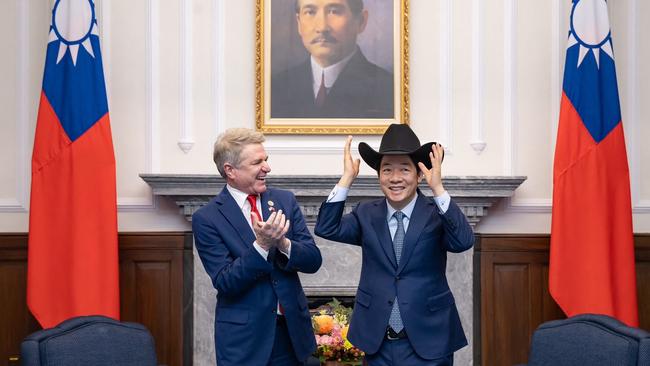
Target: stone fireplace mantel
(474, 194)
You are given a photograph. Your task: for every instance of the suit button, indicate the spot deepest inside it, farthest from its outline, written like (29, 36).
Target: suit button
(275, 282)
(397, 278)
(390, 302)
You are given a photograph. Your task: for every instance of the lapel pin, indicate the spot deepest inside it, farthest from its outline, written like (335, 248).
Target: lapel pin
(270, 203)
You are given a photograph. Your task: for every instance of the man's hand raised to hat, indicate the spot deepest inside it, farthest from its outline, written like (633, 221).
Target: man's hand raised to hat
(433, 176)
(350, 166)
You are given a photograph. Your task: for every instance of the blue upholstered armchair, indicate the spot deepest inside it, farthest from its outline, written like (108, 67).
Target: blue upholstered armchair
(589, 339)
(90, 340)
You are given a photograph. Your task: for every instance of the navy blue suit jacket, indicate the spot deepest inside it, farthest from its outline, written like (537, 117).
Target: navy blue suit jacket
(248, 286)
(426, 303)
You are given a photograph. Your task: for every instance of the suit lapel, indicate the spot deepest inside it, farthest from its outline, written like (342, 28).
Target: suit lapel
(379, 223)
(301, 86)
(265, 198)
(351, 81)
(419, 218)
(235, 217)
(265, 211)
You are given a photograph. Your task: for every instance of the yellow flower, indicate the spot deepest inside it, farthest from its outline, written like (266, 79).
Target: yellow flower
(347, 345)
(323, 323)
(344, 332)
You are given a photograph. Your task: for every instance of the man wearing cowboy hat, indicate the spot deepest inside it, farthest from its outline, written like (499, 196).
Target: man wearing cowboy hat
(404, 312)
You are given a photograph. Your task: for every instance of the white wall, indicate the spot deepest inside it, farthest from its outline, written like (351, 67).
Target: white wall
(180, 71)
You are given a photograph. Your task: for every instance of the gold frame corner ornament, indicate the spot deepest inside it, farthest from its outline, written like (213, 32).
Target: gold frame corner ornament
(321, 126)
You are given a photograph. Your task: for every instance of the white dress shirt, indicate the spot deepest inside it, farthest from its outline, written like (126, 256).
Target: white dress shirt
(332, 73)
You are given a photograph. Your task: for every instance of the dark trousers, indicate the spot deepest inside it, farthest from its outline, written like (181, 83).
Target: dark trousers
(283, 354)
(400, 353)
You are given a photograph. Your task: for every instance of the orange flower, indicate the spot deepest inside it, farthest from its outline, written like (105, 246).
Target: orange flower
(324, 323)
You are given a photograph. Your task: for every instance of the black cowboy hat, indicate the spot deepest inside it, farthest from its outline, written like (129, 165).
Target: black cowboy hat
(398, 139)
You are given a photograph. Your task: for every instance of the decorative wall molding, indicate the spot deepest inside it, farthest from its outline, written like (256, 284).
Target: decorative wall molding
(642, 206)
(136, 204)
(446, 73)
(631, 118)
(558, 45)
(530, 205)
(152, 132)
(509, 84)
(20, 203)
(219, 74)
(308, 150)
(186, 141)
(308, 145)
(475, 195)
(478, 70)
(12, 205)
(152, 96)
(104, 20)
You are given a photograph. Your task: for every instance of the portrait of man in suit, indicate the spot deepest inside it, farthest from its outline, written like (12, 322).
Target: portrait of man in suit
(405, 313)
(253, 241)
(336, 80)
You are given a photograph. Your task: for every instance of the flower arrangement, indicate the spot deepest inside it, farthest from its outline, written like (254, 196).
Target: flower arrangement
(331, 322)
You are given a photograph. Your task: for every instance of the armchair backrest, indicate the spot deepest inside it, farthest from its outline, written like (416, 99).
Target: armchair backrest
(589, 339)
(90, 340)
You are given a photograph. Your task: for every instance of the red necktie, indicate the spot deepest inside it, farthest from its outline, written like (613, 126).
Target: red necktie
(322, 93)
(252, 199)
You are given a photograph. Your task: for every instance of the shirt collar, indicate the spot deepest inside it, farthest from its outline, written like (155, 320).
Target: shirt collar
(239, 196)
(331, 72)
(407, 210)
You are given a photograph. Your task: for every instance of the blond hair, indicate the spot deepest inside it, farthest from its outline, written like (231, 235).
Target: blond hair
(229, 145)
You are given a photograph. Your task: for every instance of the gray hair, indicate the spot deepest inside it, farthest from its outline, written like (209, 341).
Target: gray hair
(229, 145)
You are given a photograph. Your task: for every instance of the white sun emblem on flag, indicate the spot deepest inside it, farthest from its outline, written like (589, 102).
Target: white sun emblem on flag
(73, 21)
(590, 28)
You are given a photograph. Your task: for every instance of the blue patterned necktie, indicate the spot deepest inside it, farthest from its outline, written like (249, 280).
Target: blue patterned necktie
(395, 320)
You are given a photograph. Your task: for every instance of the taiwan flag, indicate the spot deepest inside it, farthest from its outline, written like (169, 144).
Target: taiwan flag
(72, 253)
(592, 246)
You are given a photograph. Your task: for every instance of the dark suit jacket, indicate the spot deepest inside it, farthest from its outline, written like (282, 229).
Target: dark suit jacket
(248, 287)
(426, 303)
(362, 90)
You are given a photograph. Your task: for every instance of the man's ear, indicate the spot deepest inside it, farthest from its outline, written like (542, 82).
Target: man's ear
(298, 24)
(363, 21)
(229, 170)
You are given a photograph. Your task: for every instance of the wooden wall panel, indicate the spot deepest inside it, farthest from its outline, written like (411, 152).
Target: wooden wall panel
(513, 298)
(155, 290)
(15, 320)
(642, 254)
(510, 301)
(511, 288)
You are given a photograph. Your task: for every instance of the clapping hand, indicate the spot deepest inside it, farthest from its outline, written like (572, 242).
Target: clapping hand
(433, 176)
(350, 166)
(271, 233)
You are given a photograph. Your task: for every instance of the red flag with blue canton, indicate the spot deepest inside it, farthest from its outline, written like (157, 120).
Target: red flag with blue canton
(592, 243)
(72, 255)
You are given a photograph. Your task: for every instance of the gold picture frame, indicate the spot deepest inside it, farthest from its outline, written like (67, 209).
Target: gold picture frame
(280, 51)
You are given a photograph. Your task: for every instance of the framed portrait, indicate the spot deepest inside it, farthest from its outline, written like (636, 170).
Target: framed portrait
(331, 66)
